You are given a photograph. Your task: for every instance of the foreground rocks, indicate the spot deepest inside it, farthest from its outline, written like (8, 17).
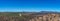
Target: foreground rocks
(9, 18)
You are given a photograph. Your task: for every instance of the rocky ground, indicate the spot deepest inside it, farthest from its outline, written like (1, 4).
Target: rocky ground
(13, 18)
(9, 18)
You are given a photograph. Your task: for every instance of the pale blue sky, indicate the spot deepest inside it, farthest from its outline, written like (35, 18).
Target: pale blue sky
(29, 5)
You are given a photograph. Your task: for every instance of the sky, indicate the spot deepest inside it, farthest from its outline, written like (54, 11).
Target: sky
(29, 5)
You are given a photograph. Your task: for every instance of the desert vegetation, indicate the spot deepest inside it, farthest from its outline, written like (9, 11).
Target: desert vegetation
(25, 16)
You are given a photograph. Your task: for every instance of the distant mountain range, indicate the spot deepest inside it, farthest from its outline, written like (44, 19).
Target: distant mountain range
(41, 12)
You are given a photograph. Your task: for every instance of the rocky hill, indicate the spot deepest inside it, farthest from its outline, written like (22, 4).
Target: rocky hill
(14, 16)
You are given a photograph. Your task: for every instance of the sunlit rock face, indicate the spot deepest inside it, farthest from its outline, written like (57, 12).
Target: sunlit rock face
(20, 15)
(48, 17)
